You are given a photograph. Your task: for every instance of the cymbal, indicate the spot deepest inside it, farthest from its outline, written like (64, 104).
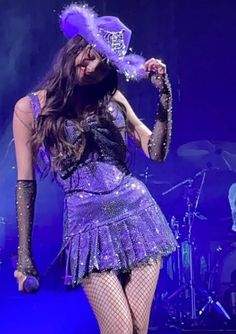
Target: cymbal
(160, 182)
(205, 153)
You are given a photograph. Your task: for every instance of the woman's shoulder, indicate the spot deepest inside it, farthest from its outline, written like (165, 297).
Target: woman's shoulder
(25, 102)
(23, 112)
(121, 100)
(118, 97)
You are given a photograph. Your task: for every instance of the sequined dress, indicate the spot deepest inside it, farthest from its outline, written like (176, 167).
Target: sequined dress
(111, 221)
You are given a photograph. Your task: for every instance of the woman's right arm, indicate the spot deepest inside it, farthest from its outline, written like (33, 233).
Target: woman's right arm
(25, 188)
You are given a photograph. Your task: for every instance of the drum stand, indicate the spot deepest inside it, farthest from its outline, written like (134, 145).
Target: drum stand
(189, 217)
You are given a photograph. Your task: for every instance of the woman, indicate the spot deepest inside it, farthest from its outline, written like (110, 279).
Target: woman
(77, 125)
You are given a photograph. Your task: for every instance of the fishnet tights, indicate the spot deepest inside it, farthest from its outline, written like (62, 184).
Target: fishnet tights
(123, 310)
(109, 303)
(139, 292)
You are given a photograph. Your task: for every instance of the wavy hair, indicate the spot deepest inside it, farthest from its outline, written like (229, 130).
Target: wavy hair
(61, 86)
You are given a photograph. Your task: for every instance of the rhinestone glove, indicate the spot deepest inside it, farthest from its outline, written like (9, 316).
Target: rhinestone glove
(159, 141)
(25, 200)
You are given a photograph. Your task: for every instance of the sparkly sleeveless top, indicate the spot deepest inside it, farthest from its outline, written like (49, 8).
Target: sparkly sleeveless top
(102, 166)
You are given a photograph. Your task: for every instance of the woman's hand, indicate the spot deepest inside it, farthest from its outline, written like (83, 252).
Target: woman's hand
(20, 277)
(156, 71)
(155, 66)
(27, 278)
(27, 284)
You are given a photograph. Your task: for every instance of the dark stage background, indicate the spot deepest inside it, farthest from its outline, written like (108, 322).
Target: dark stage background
(197, 41)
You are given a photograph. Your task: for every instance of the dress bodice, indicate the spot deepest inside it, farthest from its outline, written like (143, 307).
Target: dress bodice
(102, 164)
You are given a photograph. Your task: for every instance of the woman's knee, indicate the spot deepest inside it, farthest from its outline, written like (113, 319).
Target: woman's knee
(123, 325)
(140, 328)
(127, 327)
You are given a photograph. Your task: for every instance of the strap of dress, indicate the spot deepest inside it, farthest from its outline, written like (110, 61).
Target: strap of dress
(35, 104)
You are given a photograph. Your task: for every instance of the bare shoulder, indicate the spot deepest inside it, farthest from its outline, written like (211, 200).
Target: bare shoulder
(23, 105)
(122, 100)
(119, 97)
(23, 113)
(131, 116)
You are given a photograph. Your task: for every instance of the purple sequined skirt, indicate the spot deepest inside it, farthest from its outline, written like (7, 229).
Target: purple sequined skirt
(117, 230)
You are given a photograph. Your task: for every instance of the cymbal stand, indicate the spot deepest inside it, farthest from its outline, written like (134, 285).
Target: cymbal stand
(189, 217)
(210, 300)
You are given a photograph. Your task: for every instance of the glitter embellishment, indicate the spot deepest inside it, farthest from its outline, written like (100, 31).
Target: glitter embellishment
(159, 142)
(25, 200)
(115, 40)
(111, 221)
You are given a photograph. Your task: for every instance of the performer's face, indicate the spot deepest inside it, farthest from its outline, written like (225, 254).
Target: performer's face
(91, 67)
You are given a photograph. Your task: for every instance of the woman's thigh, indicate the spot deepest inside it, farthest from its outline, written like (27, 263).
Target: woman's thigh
(109, 303)
(140, 291)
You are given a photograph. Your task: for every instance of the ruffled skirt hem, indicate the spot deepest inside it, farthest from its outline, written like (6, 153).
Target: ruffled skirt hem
(119, 246)
(69, 281)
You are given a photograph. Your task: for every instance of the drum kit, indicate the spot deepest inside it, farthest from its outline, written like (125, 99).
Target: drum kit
(202, 272)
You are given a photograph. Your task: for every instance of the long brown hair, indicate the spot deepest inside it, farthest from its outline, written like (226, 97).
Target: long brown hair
(61, 87)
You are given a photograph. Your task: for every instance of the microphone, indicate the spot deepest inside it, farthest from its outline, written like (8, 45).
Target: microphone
(31, 284)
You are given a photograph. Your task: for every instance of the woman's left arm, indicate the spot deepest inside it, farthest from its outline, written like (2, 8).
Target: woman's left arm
(155, 144)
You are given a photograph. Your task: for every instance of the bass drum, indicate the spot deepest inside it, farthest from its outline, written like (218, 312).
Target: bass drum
(226, 273)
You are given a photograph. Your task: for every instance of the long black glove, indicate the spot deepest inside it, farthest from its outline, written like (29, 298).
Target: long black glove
(25, 200)
(159, 142)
